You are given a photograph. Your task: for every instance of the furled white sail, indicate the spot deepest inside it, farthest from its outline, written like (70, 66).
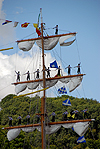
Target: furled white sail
(68, 125)
(49, 43)
(13, 133)
(62, 40)
(28, 129)
(67, 43)
(20, 87)
(49, 83)
(52, 129)
(81, 128)
(33, 85)
(74, 82)
(26, 45)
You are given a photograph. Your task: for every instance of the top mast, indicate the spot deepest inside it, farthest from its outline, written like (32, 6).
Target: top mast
(43, 98)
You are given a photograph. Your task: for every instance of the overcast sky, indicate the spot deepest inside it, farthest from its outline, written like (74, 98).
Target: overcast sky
(74, 16)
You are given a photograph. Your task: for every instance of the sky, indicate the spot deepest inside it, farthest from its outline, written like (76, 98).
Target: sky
(81, 16)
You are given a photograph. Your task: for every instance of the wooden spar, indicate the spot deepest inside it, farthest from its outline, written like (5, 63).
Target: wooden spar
(53, 78)
(46, 37)
(51, 123)
(6, 49)
(31, 93)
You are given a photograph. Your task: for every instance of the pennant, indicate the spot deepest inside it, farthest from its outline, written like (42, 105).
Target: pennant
(15, 24)
(35, 25)
(25, 24)
(54, 64)
(81, 140)
(66, 102)
(6, 22)
(38, 19)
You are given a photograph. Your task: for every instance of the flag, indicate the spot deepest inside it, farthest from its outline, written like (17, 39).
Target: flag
(38, 32)
(6, 21)
(24, 24)
(54, 64)
(15, 24)
(81, 140)
(37, 29)
(66, 102)
(62, 90)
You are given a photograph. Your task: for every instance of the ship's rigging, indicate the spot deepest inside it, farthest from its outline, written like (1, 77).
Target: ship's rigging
(48, 43)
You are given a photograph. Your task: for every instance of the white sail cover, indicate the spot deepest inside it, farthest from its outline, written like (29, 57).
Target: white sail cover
(28, 129)
(49, 43)
(62, 40)
(13, 133)
(26, 45)
(74, 82)
(81, 128)
(20, 87)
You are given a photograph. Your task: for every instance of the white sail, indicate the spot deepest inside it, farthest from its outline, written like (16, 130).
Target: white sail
(13, 133)
(49, 83)
(33, 85)
(28, 129)
(20, 87)
(64, 38)
(68, 125)
(49, 43)
(26, 45)
(67, 43)
(74, 82)
(81, 128)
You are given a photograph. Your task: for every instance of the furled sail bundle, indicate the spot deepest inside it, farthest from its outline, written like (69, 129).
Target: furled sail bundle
(72, 81)
(79, 127)
(26, 45)
(64, 38)
(49, 43)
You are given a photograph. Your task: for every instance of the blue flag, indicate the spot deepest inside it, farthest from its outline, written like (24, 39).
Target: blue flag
(66, 102)
(62, 90)
(54, 64)
(81, 140)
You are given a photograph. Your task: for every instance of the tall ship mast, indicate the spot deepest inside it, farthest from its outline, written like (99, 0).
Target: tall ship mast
(48, 43)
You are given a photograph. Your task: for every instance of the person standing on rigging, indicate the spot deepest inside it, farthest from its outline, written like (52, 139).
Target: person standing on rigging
(19, 120)
(28, 75)
(37, 73)
(59, 71)
(56, 32)
(53, 116)
(69, 69)
(18, 76)
(10, 120)
(28, 119)
(48, 72)
(78, 66)
(65, 115)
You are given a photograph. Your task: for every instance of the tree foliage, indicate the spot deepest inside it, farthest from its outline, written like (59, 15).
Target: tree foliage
(63, 138)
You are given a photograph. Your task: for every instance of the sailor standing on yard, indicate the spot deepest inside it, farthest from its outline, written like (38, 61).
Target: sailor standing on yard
(69, 69)
(28, 75)
(56, 32)
(37, 73)
(48, 72)
(19, 120)
(58, 71)
(10, 120)
(28, 119)
(18, 76)
(78, 66)
(53, 116)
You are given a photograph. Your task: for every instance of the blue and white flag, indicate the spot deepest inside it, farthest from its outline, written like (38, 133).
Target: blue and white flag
(54, 64)
(81, 140)
(66, 102)
(62, 90)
